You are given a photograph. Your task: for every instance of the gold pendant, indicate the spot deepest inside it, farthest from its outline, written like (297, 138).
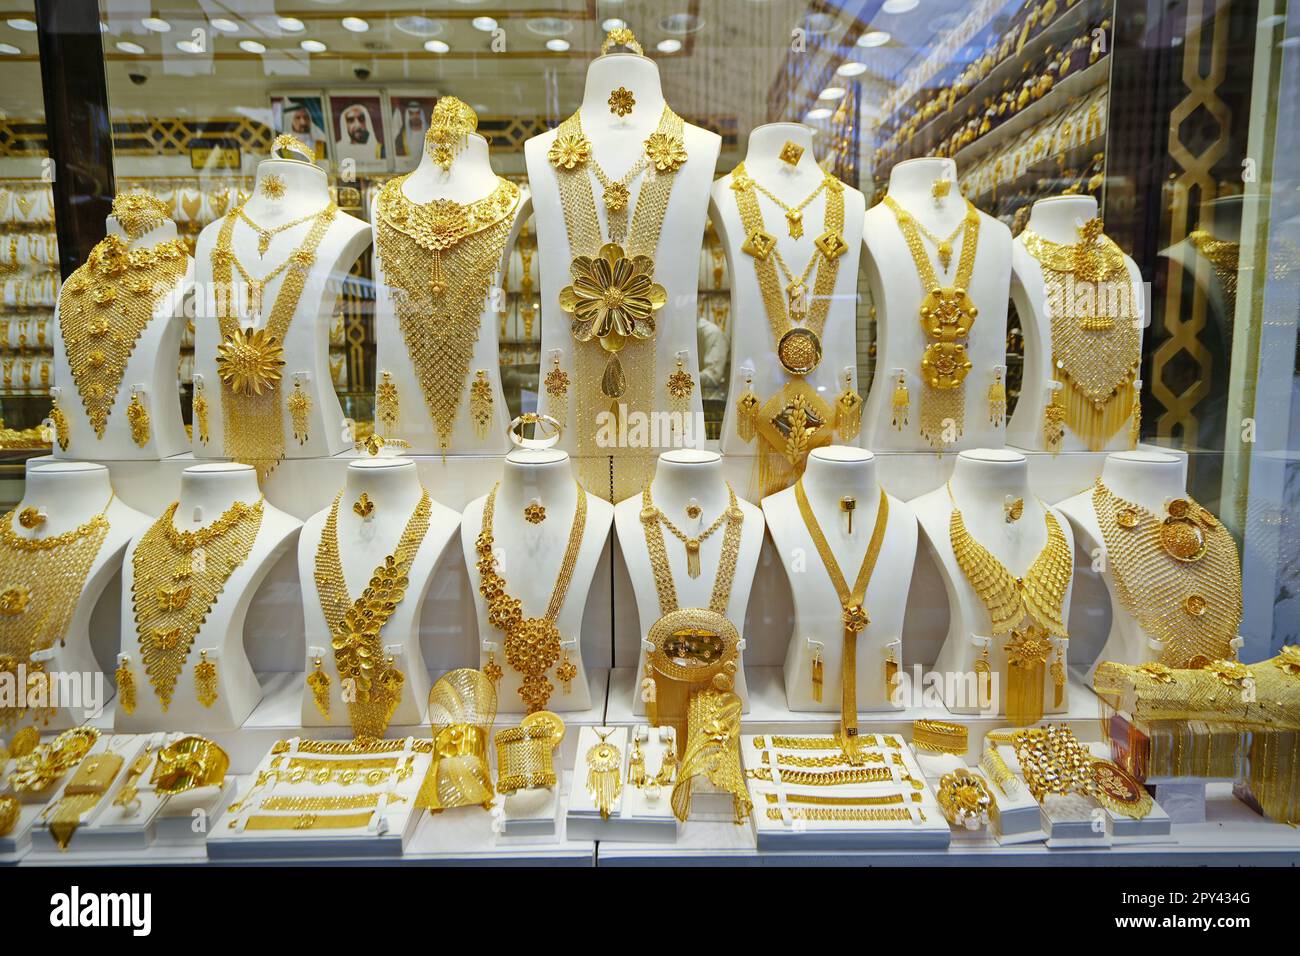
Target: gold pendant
(818, 674)
(794, 223)
(125, 685)
(137, 417)
(604, 783)
(319, 683)
(205, 680)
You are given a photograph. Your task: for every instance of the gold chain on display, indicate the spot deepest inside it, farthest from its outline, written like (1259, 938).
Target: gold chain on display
(250, 362)
(824, 743)
(178, 576)
(831, 760)
(356, 626)
(694, 649)
(853, 613)
(832, 778)
(1096, 333)
(614, 297)
(947, 315)
(1028, 608)
(532, 644)
(820, 800)
(40, 584)
(265, 235)
(847, 814)
(793, 214)
(103, 309)
(1179, 575)
(438, 259)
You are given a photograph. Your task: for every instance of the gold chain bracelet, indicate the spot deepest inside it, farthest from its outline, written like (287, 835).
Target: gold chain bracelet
(832, 778)
(847, 814)
(826, 743)
(832, 760)
(351, 801)
(353, 748)
(817, 799)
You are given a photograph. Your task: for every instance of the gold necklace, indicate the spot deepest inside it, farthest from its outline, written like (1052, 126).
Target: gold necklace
(438, 259)
(693, 648)
(1224, 255)
(250, 362)
(1096, 342)
(41, 580)
(854, 615)
(356, 626)
(793, 214)
(265, 235)
(947, 315)
(692, 542)
(177, 577)
(1027, 608)
(532, 644)
(1179, 576)
(104, 308)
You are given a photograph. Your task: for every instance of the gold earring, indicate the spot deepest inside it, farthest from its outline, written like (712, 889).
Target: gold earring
(200, 412)
(205, 680)
(791, 153)
(125, 685)
(1012, 509)
(492, 670)
(680, 387)
(667, 767)
(299, 412)
(480, 404)
(1058, 675)
(566, 672)
(534, 512)
(557, 387)
(363, 506)
(30, 518)
(60, 423)
(747, 410)
(636, 766)
(137, 417)
(1054, 424)
(319, 683)
(891, 671)
(386, 403)
(1135, 421)
(621, 101)
(997, 400)
(817, 674)
(603, 781)
(848, 410)
(983, 673)
(901, 403)
(272, 186)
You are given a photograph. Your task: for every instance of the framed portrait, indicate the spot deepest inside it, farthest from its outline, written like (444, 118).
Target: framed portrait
(408, 121)
(358, 130)
(303, 114)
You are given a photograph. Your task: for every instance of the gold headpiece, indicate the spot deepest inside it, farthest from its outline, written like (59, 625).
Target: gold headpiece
(623, 37)
(139, 212)
(462, 706)
(287, 144)
(453, 121)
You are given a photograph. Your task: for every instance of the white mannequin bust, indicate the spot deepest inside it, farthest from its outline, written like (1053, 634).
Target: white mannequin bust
(207, 491)
(150, 370)
(832, 474)
(469, 178)
(69, 494)
(897, 294)
(529, 557)
(1057, 219)
(393, 487)
(983, 481)
(683, 478)
(753, 349)
(616, 144)
(306, 344)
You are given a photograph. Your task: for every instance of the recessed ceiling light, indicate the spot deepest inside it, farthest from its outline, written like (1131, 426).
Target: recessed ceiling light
(22, 23)
(418, 26)
(155, 24)
(8, 49)
(436, 46)
(899, 6)
(818, 22)
(613, 23)
(681, 23)
(486, 24)
(313, 46)
(224, 25)
(126, 46)
(819, 113)
(873, 38)
(671, 45)
(833, 93)
(557, 45)
(291, 24)
(252, 46)
(189, 46)
(550, 26)
(355, 24)
(851, 68)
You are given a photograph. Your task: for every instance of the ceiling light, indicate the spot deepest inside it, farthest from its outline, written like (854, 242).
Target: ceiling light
(555, 44)
(833, 93)
(681, 23)
(126, 46)
(899, 6)
(8, 49)
(355, 24)
(851, 68)
(224, 25)
(613, 23)
(418, 26)
(486, 24)
(819, 23)
(189, 46)
(22, 23)
(819, 113)
(155, 24)
(252, 46)
(291, 24)
(671, 45)
(436, 46)
(313, 46)
(873, 38)
(550, 26)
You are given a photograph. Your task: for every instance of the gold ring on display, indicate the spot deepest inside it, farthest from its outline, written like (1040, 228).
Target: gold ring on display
(622, 37)
(374, 444)
(287, 146)
(544, 422)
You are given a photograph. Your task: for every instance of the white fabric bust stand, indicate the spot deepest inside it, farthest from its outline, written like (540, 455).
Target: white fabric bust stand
(753, 347)
(897, 294)
(682, 477)
(393, 486)
(1056, 219)
(150, 369)
(306, 345)
(982, 480)
(617, 143)
(207, 491)
(470, 178)
(529, 558)
(831, 474)
(70, 493)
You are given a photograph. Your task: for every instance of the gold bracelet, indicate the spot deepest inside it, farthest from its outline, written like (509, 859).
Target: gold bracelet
(992, 764)
(187, 764)
(310, 821)
(353, 748)
(525, 758)
(816, 799)
(939, 736)
(964, 799)
(826, 743)
(350, 801)
(833, 760)
(854, 814)
(832, 778)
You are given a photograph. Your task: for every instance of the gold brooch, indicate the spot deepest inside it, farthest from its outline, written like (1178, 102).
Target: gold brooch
(534, 512)
(272, 186)
(621, 101)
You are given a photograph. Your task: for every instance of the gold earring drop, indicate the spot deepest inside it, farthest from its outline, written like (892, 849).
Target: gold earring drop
(1058, 676)
(557, 388)
(848, 410)
(30, 518)
(1054, 424)
(125, 685)
(205, 680)
(997, 400)
(386, 407)
(984, 674)
(621, 102)
(901, 403)
(492, 670)
(1135, 421)
(817, 674)
(791, 153)
(891, 671)
(480, 404)
(667, 766)
(680, 387)
(60, 423)
(319, 683)
(747, 411)
(199, 410)
(636, 765)
(363, 506)
(566, 672)
(1012, 509)
(137, 416)
(299, 412)
(848, 504)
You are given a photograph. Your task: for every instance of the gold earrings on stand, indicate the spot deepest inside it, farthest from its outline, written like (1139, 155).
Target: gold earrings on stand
(319, 683)
(200, 411)
(1054, 423)
(566, 672)
(492, 670)
(60, 423)
(364, 507)
(680, 387)
(299, 412)
(901, 402)
(205, 680)
(747, 410)
(621, 102)
(137, 416)
(848, 406)
(386, 406)
(480, 404)
(984, 674)
(818, 673)
(125, 685)
(997, 399)
(636, 765)
(557, 388)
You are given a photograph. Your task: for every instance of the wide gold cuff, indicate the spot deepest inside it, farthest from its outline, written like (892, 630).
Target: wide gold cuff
(525, 754)
(939, 736)
(187, 764)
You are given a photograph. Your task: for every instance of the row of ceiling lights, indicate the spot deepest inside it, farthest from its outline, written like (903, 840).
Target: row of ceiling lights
(850, 68)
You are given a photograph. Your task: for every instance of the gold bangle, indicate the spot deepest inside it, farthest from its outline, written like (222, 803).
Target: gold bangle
(374, 444)
(291, 145)
(991, 763)
(525, 758)
(847, 814)
(939, 736)
(540, 422)
(817, 799)
(189, 763)
(310, 821)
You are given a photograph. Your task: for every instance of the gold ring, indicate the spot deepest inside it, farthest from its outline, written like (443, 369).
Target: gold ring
(287, 146)
(543, 422)
(622, 37)
(374, 444)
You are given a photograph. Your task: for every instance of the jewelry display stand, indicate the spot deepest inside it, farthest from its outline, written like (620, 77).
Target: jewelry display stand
(984, 483)
(150, 371)
(469, 178)
(306, 344)
(897, 294)
(1056, 219)
(207, 492)
(834, 476)
(90, 835)
(630, 816)
(529, 557)
(392, 488)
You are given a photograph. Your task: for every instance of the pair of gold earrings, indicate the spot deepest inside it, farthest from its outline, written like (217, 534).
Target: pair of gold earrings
(663, 777)
(205, 682)
(900, 403)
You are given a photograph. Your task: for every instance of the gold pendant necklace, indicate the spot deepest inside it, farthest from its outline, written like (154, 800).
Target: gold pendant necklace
(265, 235)
(793, 214)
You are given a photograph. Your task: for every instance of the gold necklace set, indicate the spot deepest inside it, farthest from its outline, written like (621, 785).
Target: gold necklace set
(947, 315)
(796, 419)
(532, 644)
(1096, 338)
(177, 578)
(1028, 610)
(372, 681)
(40, 583)
(250, 361)
(1177, 575)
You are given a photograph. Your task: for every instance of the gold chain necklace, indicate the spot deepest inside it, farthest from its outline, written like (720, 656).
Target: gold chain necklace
(104, 308)
(265, 235)
(692, 542)
(250, 363)
(693, 648)
(40, 584)
(1096, 340)
(532, 644)
(178, 576)
(947, 315)
(438, 259)
(1179, 576)
(356, 626)
(853, 614)
(794, 214)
